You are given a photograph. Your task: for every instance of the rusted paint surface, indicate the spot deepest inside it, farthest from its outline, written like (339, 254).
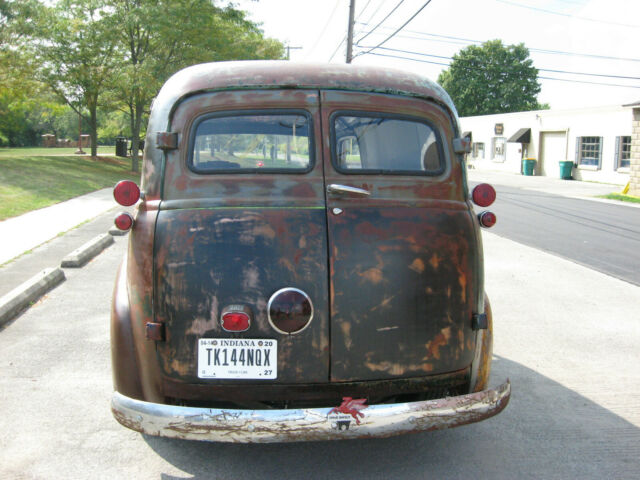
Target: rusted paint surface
(222, 76)
(481, 367)
(394, 278)
(186, 189)
(240, 256)
(403, 261)
(140, 296)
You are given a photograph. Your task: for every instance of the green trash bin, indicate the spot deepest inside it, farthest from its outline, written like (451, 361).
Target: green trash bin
(528, 166)
(565, 170)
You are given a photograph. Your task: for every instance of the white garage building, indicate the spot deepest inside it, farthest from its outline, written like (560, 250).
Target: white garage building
(597, 140)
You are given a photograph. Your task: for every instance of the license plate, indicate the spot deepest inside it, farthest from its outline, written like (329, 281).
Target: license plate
(230, 358)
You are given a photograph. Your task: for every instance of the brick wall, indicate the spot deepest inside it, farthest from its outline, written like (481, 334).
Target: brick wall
(634, 174)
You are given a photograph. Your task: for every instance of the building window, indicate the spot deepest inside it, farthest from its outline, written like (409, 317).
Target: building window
(623, 152)
(589, 151)
(478, 150)
(498, 153)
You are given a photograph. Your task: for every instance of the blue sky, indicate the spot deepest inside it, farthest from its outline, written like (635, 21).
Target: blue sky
(606, 34)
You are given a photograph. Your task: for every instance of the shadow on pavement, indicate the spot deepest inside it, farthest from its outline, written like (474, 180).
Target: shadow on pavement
(547, 431)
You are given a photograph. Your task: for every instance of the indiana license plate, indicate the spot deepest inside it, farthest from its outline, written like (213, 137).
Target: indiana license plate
(230, 358)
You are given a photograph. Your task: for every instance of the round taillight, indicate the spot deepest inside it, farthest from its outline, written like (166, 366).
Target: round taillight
(235, 322)
(487, 219)
(290, 310)
(483, 195)
(126, 193)
(123, 221)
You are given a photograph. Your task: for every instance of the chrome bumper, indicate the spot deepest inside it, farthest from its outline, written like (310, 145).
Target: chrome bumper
(261, 426)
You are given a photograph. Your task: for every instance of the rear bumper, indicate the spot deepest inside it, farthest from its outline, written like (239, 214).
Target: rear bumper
(261, 426)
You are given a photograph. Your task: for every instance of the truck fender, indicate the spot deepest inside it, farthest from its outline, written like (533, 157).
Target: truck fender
(481, 366)
(126, 374)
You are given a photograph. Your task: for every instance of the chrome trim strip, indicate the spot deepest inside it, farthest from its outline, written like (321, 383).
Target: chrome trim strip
(346, 189)
(264, 426)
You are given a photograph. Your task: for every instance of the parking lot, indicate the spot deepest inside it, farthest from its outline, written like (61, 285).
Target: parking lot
(565, 335)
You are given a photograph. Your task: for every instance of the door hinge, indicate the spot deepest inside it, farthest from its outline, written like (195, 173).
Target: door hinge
(155, 331)
(479, 321)
(167, 140)
(462, 145)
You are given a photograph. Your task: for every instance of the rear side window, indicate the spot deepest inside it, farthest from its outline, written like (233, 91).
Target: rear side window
(251, 142)
(375, 143)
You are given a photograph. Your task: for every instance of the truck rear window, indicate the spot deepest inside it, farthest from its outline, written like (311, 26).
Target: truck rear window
(254, 142)
(377, 143)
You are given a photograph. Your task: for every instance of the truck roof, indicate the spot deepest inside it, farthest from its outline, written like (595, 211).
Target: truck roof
(268, 74)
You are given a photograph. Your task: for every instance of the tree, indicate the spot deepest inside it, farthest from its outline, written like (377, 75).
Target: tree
(492, 78)
(155, 38)
(72, 52)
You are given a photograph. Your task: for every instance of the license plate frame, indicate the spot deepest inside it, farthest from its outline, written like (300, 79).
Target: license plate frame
(238, 359)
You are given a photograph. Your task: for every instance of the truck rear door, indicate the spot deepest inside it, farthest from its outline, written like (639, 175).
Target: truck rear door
(401, 250)
(243, 216)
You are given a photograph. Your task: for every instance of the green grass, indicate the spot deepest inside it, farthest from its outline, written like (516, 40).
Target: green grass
(621, 197)
(48, 152)
(29, 181)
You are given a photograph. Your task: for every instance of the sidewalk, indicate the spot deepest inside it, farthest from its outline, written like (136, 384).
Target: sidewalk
(23, 233)
(42, 238)
(554, 186)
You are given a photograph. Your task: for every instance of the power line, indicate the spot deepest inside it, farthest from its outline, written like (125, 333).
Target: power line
(551, 12)
(324, 29)
(338, 48)
(590, 83)
(459, 41)
(363, 8)
(543, 78)
(375, 12)
(540, 69)
(381, 22)
(403, 25)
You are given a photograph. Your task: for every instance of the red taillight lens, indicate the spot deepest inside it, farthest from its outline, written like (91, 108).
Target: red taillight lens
(487, 219)
(235, 322)
(123, 221)
(126, 193)
(483, 195)
(290, 310)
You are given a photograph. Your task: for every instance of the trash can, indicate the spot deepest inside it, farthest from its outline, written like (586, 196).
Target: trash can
(121, 147)
(565, 170)
(528, 166)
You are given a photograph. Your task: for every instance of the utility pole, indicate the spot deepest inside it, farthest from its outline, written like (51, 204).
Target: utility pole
(352, 8)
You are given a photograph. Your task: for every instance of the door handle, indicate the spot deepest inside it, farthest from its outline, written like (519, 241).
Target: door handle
(345, 189)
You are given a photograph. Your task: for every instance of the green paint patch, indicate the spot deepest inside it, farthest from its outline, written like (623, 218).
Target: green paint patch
(621, 197)
(29, 182)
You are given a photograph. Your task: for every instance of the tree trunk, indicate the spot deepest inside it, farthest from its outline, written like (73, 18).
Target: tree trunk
(136, 123)
(93, 126)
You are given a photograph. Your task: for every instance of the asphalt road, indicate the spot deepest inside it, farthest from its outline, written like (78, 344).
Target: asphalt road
(571, 354)
(602, 236)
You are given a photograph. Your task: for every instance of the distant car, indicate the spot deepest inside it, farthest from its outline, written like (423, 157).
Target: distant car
(305, 263)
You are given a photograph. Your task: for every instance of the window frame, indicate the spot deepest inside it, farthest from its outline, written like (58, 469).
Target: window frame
(620, 143)
(579, 152)
(248, 113)
(380, 171)
(477, 148)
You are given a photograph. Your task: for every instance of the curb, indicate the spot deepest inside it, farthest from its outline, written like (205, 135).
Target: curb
(23, 296)
(86, 252)
(116, 232)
